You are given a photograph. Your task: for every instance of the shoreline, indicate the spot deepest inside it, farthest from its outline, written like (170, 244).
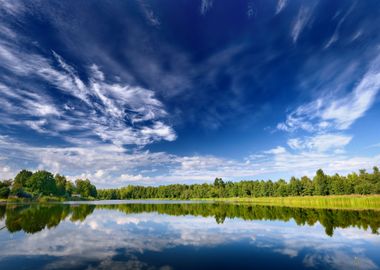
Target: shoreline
(353, 202)
(357, 202)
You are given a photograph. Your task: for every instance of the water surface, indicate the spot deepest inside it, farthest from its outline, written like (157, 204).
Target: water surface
(186, 235)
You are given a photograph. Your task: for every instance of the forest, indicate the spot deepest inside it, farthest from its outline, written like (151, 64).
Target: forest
(42, 183)
(320, 185)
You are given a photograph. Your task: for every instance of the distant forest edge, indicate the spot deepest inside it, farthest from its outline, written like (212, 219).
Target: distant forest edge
(43, 184)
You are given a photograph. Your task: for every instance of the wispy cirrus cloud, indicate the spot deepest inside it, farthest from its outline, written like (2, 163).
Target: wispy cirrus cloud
(328, 117)
(337, 113)
(301, 22)
(11, 7)
(281, 4)
(206, 5)
(149, 14)
(335, 36)
(321, 142)
(119, 113)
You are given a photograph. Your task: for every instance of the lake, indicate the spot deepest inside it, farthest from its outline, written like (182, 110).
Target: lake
(185, 235)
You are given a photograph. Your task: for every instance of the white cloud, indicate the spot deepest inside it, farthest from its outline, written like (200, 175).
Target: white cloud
(325, 118)
(276, 151)
(307, 161)
(338, 260)
(107, 106)
(334, 38)
(300, 22)
(345, 111)
(112, 166)
(5, 171)
(320, 142)
(11, 7)
(159, 130)
(280, 5)
(102, 163)
(149, 14)
(332, 112)
(206, 5)
(295, 143)
(37, 125)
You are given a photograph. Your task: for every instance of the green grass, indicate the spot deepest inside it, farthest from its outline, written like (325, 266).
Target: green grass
(14, 200)
(332, 202)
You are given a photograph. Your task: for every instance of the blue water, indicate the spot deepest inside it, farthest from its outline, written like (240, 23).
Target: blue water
(185, 236)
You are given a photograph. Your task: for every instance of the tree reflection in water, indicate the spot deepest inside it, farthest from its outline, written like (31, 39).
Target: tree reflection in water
(32, 218)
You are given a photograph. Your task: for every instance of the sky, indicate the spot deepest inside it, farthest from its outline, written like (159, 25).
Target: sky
(159, 92)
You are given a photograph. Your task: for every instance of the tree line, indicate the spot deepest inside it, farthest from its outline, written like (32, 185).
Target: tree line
(27, 184)
(43, 183)
(321, 184)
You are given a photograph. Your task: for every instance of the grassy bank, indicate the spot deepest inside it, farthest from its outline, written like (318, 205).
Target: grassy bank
(333, 202)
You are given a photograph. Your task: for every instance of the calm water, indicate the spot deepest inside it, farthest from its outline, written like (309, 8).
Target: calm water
(182, 235)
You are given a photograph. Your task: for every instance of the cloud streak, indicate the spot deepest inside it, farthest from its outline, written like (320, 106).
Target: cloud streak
(300, 22)
(119, 113)
(339, 113)
(206, 5)
(281, 4)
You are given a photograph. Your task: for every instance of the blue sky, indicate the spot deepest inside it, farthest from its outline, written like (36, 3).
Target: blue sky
(159, 92)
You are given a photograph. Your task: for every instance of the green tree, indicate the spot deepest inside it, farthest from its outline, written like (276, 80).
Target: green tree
(337, 185)
(281, 188)
(375, 179)
(5, 189)
(320, 183)
(363, 188)
(60, 182)
(218, 182)
(85, 188)
(307, 188)
(42, 183)
(21, 178)
(295, 187)
(70, 188)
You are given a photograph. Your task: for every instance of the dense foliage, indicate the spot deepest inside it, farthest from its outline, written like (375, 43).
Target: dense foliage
(43, 183)
(321, 184)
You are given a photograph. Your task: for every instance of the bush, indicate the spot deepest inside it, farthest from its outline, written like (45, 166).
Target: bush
(19, 192)
(363, 189)
(42, 183)
(4, 192)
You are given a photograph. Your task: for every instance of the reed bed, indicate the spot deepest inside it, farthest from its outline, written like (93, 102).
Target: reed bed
(333, 202)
